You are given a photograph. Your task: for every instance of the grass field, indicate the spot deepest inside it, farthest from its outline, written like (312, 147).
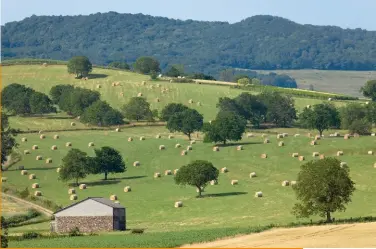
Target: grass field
(10, 207)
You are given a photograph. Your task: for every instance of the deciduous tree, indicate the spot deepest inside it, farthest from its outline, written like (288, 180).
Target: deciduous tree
(75, 166)
(137, 109)
(369, 89)
(187, 122)
(171, 109)
(107, 160)
(80, 66)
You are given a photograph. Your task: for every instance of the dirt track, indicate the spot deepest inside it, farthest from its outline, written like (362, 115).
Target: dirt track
(347, 235)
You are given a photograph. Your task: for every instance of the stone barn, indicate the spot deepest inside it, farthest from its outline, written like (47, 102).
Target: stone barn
(92, 214)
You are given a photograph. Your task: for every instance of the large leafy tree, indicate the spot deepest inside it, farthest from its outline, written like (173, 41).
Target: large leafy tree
(102, 114)
(146, 65)
(226, 126)
(371, 112)
(198, 174)
(41, 103)
(350, 113)
(171, 109)
(57, 91)
(137, 109)
(7, 138)
(107, 160)
(369, 89)
(320, 117)
(323, 187)
(80, 66)
(75, 166)
(253, 109)
(187, 122)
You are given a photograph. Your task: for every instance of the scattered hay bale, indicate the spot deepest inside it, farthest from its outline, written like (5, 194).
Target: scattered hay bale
(340, 153)
(158, 85)
(295, 154)
(68, 144)
(130, 139)
(178, 204)
(347, 136)
(285, 134)
(139, 95)
(199, 103)
(24, 139)
(37, 193)
(176, 171)
(322, 156)
(192, 142)
(56, 136)
(250, 135)
(4, 179)
(158, 136)
(301, 158)
(190, 101)
(224, 170)
(309, 135)
(32, 176)
(35, 147)
(296, 135)
(329, 99)
(38, 158)
(127, 189)
(24, 172)
(215, 148)
(177, 145)
(336, 134)
(239, 147)
(314, 142)
(82, 186)
(308, 106)
(253, 174)
(45, 64)
(264, 156)
(374, 165)
(373, 134)
(142, 138)
(258, 194)
(157, 100)
(136, 164)
(234, 182)
(143, 83)
(263, 135)
(343, 164)
(279, 136)
(183, 152)
(73, 124)
(189, 147)
(293, 183)
(42, 136)
(35, 185)
(266, 141)
(71, 191)
(317, 137)
(26, 152)
(198, 190)
(53, 147)
(281, 143)
(58, 170)
(315, 154)
(162, 147)
(157, 175)
(73, 197)
(48, 160)
(21, 167)
(170, 136)
(285, 183)
(117, 129)
(91, 144)
(99, 86)
(213, 182)
(113, 197)
(168, 172)
(210, 121)
(370, 152)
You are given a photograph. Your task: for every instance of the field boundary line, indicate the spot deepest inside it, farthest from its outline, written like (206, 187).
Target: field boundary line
(31, 204)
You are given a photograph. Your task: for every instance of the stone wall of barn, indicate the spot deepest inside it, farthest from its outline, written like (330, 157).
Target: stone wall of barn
(85, 224)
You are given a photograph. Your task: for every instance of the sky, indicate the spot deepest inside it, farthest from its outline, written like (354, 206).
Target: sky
(342, 13)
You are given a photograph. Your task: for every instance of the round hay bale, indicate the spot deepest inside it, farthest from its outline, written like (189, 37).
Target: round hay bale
(343, 164)
(4, 179)
(127, 189)
(158, 136)
(158, 85)
(295, 154)
(121, 94)
(190, 101)
(281, 143)
(73, 124)
(37, 193)
(68, 144)
(373, 134)
(183, 152)
(224, 170)
(45, 64)
(117, 129)
(162, 147)
(178, 204)
(48, 160)
(143, 83)
(71, 191)
(215, 148)
(136, 164)
(32, 176)
(157, 100)
(329, 99)
(35, 147)
(340, 153)
(370, 152)
(315, 154)
(73, 197)
(56, 136)
(53, 147)
(308, 106)
(317, 137)
(189, 147)
(91, 144)
(322, 156)
(234, 182)
(264, 156)
(253, 174)
(292, 183)
(213, 182)
(38, 158)
(266, 141)
(168, 172)
(170, 136)
(374, 165)
(99, 86)
(26, 152)
(113, 198)
(58, 170)
(42, 136)
(139, 95)
(157, 175)
(176, 171)
(301, 158)
(239, 147)
(285, 134)
(192, 142)
(250, 135)
(279, 136)
(198, 103)
(314, 142)
(24, 139)
(35, 185)
(82, 186)
(177, 145)
(347, 136)
(258, 194)
(296, 135)
(130, 139)
(285, 183)
(142, 138)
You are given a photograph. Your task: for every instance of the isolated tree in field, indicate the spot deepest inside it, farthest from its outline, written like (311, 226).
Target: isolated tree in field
(4, 232)
(80, 66)
(75, 166)
(107, 160)
(57, 91)
(137, 109)
(187, 122)
(369, 90)
(323, 187)
(102, 114)
(226, 126)
(171, 109)
(7, 138)
(146, 65)
(244, 81)
(198, 174)
(120, 65)
(320, 117)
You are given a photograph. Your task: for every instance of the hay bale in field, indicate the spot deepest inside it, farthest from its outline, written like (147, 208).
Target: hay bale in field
(37, 193)
(24, 139)
(190, 101)
(329, 99)
(308, 106)
(336, 134)
(68, 144)
(26, 152)
(301, 158)
(82, 186)
(91, 144)
(315, 154)
(142, 138)
(198, 190)
(143, 83)
(192, 142)
(35, 185)
(73, 124)
(264, 156)
(285, 134)
(177, 145)
(343, 164)
(73, 197)
(293, 183)
(45, 64)
(279, 136)
(263, 135)
(189, 147)
(296, 135)
(38, 158)
(224, 170)
(71, 191)
(215, 148)
(117, 129)
(281, 143)
(48, 160)
(266, 141)
(347, 136)
(158, 136)
(234, 182)
(199, 103)
(309, 135)
(258, 194)
(170, 136)
(162, 147)
(373, 134)
(58, 170)
(157, 100)
(53, 147)
(127, 189)
(178, 204)
(176, 171)
(250, 135)
(374, 165)
(32, 176)
(136, 164)
(56, 136)
(239, 147)
(183, 152)
(340, 153)
(295, 154)
(130, 139)
(157, 175)
(252, 175)
(285, 183)
(113, 197)
(158, 85)
(370, 152)
(317, 137)
(21, 167)
(4, 179)
(322, 156)
(42, 136)
(168, 172)
(139, 95)
(99, 86)
(213, 182)
(314, 142)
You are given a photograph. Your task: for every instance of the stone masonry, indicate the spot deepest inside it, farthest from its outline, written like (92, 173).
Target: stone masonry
(85, 224)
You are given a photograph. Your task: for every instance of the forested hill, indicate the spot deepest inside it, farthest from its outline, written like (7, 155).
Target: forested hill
(259, 42)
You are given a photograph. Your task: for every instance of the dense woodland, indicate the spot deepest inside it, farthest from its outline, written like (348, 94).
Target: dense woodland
(259, 42)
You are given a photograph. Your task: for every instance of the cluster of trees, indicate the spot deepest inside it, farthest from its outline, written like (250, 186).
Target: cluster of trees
(7, 138)
(77, 164)
(21, 100)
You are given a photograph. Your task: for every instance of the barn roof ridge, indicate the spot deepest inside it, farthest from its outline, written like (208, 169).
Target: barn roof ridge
(97, 199)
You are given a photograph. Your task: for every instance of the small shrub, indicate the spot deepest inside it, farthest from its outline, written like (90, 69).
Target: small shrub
(75, 232)
(24, 193)
(30, 235)
(362, 127)
(137, 231)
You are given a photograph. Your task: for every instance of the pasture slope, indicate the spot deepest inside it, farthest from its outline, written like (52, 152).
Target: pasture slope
(226, 210)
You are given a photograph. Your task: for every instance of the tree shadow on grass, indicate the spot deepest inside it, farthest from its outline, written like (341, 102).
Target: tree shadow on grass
(97, 76)
(32, 169)
(237, 144)
(125, 178)
(225, 194)
(100, 183)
